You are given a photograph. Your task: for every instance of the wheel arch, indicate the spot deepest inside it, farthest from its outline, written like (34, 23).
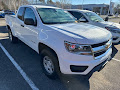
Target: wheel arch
(42, 46)
(8, 27)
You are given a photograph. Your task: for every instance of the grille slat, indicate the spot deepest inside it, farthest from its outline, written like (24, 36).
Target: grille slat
(100, 44)
(99, 53)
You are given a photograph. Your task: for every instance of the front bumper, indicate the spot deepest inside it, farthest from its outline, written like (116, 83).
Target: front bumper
(83, 61)
(100, 66)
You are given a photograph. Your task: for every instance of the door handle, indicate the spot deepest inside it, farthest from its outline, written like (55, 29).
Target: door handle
(22, 25)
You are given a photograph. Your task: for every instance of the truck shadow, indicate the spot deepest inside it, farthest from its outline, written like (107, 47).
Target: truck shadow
(76, 82)
(114, 51)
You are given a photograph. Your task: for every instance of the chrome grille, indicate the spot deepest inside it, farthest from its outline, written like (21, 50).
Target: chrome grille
(100, 44)
(99, 53)
(100, 49)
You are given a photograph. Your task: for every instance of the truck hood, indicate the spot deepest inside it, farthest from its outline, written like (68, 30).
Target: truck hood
(111, 24)
(83, 33)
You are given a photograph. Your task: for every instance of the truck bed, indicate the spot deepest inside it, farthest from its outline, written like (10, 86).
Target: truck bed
(10, 19)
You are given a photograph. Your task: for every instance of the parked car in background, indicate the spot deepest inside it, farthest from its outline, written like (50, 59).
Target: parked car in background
(6, 10)
(94, 19)
(65, 46)
(7, 13)
(1, 12)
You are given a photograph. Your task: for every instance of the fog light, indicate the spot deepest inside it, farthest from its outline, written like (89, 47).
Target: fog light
(78, 68)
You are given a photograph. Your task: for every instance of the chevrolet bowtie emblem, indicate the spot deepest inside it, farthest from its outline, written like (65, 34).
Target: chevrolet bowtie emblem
(107, 45)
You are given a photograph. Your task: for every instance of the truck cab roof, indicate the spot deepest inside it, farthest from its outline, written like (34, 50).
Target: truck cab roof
(40, 6)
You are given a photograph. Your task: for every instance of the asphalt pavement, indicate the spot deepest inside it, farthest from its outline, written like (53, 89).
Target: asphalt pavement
(29, 61)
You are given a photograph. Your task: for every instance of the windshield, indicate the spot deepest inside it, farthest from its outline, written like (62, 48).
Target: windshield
(55, 16)
(94, 17)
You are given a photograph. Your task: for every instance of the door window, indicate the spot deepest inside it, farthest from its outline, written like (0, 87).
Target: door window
(76, 14)
(30, 14)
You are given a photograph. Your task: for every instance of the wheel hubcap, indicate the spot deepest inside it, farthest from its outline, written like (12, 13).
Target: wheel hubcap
(48, 64)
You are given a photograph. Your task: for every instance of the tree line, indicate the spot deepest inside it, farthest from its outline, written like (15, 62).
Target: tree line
(14, 4)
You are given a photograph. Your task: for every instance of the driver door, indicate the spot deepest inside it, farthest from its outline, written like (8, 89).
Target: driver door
(30, 32)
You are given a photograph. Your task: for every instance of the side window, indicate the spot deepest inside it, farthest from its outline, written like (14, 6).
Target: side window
(30, 14)
(76, 15)
(71, 12)
(20, 13)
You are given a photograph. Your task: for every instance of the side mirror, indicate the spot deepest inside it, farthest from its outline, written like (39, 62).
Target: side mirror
(82, 20)
(29, 21)
(106, 19)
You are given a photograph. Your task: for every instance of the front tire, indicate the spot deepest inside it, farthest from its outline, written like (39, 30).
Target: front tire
(11, 37)
(49, 63)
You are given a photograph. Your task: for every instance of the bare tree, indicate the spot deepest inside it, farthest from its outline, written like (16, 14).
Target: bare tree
(64, 3)
(13, 4)
(118, 7)
(57, 3)
(43, 1)
(50, 2)
(3, 5)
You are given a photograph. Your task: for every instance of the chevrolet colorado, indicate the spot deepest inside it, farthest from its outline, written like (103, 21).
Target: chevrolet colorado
(64, 45)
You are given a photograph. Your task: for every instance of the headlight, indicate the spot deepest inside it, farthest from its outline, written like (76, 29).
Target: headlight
(78, 49)
(114, 30)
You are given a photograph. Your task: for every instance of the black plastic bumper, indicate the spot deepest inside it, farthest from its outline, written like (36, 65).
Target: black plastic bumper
(100, 66)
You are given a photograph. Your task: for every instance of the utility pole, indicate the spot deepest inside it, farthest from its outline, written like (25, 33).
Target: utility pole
(32, 2)
(9, 5)
(36, 1)
(109, 7)
(82, 4)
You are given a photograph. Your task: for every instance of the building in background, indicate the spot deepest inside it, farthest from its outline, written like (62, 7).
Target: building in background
(102, 9)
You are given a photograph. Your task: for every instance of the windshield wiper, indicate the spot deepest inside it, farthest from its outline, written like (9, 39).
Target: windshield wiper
(58, 22)
(51, 23)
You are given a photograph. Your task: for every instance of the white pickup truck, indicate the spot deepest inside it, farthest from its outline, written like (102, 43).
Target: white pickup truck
(94, 19)
(65, 46)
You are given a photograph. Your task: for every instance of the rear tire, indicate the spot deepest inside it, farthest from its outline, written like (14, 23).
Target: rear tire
(11, 37)
(50, 64)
